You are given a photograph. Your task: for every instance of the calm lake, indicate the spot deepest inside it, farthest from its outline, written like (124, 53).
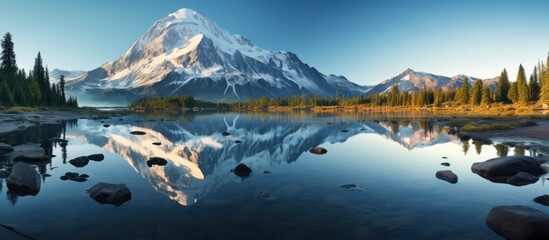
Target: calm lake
(290, 194)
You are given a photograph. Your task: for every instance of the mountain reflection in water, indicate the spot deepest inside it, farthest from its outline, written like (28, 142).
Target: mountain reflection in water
(200, 158)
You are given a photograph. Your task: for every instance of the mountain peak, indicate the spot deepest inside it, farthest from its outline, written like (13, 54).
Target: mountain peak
(183, 13)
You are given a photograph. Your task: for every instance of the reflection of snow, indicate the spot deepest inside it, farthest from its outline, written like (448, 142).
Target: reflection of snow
(200, 159)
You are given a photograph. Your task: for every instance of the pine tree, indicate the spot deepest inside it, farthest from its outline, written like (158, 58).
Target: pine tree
(533, 86)
(502, 89)
(6, 98)
(486, 96)
(8, 66)
(544, 80)
(522, 86)
(476, 93)
(62, 89)
(464, 91)
(513, 93)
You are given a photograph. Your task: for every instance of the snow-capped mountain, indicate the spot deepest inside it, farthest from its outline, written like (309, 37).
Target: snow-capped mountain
(188, 54)
(410, 80)
(55, 74)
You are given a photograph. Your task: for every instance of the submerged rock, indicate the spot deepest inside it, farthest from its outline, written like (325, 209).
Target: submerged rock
(225, 133)
(503, 168)
(351, 186)
(447, 176)
(543, 199)
(237, 141)
(267, 172)
(156, 161)
(23, 179)
(242, 170)
(518, 222)
(96, 157)
(107, 193)
(522, 178)
(447, 164)
(345, 130)
(137, 133)
(106, 125)
(80, 161)
(265, 195)
(318, 150)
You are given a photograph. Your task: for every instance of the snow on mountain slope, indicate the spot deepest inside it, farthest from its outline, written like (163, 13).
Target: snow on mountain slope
(55, 74)
(187, 54)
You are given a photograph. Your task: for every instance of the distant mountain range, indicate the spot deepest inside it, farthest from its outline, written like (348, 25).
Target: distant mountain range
(188, 54)
(410, 80)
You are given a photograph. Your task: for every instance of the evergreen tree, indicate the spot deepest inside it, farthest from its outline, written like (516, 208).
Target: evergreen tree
(6, 98)
(533, 87)
(476, 93)
(464, 92)
(486, 96)
(544, 80)
(522, 86)
(394, 96)
(502, 89)
(438, 97)
(513, 93)
(62, 89)
(8, 66)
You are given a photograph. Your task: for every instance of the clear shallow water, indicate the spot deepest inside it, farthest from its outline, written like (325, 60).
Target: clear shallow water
(196, 196)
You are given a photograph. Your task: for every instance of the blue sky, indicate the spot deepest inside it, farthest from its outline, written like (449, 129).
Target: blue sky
(366, 41)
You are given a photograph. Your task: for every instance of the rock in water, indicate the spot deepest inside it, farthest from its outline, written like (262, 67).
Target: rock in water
(518, 222)
(107, 193)
(543, 200)
(137, 133)
(106, 125)
(96, 157)
(522, 178)
(5, 148)
(157, 161)
(242, 170)
(345, 130)
(447, 164)
(24, 180)
(501, 169)
(318, 150)
(447, 176)
(80, 161)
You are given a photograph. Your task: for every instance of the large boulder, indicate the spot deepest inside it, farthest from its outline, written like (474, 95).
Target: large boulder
(107, 193)
(522, 178)
(447, 176)
(24, 180)
(503, 168)
(518, 222)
